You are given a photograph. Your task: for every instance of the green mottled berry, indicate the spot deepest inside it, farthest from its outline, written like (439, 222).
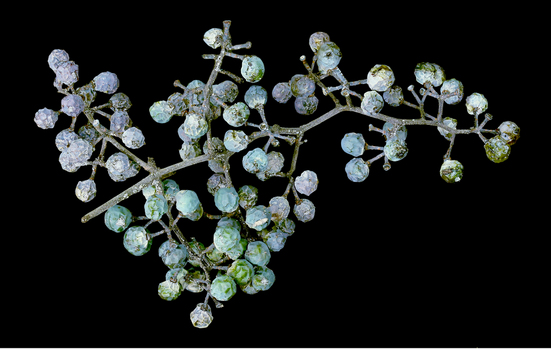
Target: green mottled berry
(225, 238)
(193, 286)
(497, 149)
(215, 255)
(237, 250)
(263, 278)
(248, 288)
(258, 253)
(169, 290)
(117, 218)
(223, 288)
(179, 274)
(241, 271)
(155, 207)
(137, 240)
(451, 171)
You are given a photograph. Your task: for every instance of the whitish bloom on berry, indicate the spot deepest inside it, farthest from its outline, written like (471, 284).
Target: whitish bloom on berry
(476, 103)
(187, 201)
(356, 170)
(317, 39)
(213, 37)
(372, 103)
(452, 123)
(275, 240)
(137, 241)
(226, 199)
(106, 82)
(394, 96)
(57, 57)
(67, 72)
(195, 125)
(282, 92)
(452, 86)
(86, 190)
(263, 279)
(329, 55)
(161, 111)
(305, 210)
(380, 77)
(451, 171)
(258, 217)
(46, 118)
(252, 69)
(353, 144)
(118, 163)
(133, 138)
(235, 140)
(64, 138)
(201, 316)
(255, 161)
(432, 73)
(307, 182)
(117, 218)
(72, 105)
(280, 208)
(237, 114)
(256, 97)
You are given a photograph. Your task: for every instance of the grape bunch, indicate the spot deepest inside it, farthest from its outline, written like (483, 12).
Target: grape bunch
(77, 146)
(239, 247)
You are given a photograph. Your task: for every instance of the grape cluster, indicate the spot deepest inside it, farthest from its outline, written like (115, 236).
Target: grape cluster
(77, 146)
(247, 232)
(247, 255)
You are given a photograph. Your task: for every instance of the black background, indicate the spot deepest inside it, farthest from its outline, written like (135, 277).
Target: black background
(402, 259)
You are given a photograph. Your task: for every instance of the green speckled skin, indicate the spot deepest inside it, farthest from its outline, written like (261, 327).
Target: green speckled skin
(497, 149)
(223, 288)
(241, 271)
(258, 253)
